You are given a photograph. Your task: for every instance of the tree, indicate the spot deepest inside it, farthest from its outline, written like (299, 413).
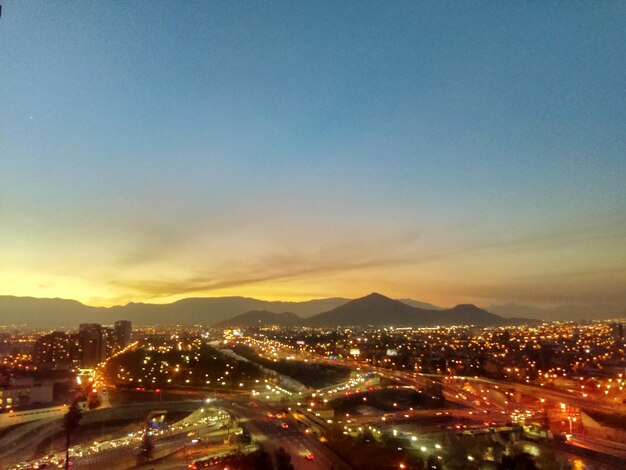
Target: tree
(550, 460)
(433, 463)
(71, 421)
(463, 452)
(260, 460)
(146, 448)
(522, 461)
(93, 401)
(283, 459)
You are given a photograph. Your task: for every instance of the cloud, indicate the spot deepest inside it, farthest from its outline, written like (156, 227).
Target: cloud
(287, 265)
(353, 253)
(594, 285)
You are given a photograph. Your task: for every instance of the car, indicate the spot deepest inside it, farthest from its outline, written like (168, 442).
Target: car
(203, 463)
(284, 425)
(309, 456)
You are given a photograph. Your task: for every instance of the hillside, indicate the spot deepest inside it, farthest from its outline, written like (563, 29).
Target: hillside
(374, 309)
(378, 310)
(468, 314)
(261, 318)
(418, 304)
(593, 311)
(62, 313)
(37, 313)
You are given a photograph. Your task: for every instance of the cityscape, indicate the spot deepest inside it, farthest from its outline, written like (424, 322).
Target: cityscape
(330, 235)
(265, 395)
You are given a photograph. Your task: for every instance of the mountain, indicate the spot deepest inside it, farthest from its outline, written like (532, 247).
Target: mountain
(36, 312)
(210, 310)
(55, 313)
(515, 310)
(596, 311)
(466, 314)
(418, 304)
(261, 318)
(376, 309)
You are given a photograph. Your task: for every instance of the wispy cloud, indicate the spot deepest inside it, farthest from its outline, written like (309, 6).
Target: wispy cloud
(405, 249)
(288, 265)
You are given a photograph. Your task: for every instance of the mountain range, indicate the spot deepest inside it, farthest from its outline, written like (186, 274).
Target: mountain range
(572, 312)
(45, 313)
(374, 309)
(378, 310)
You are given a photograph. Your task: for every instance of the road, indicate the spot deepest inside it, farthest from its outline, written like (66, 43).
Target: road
(270, 435)
(122, 452)
(551, 394)
(599, 445)
(496, 408)
(126, 456)
(21, 443)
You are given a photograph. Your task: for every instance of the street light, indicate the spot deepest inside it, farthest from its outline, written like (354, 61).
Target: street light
(571, 419)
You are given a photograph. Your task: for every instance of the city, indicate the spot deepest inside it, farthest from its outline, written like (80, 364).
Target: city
(315, 397)
(312, 235)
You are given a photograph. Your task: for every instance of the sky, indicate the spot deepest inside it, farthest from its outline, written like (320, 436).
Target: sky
(450, 152)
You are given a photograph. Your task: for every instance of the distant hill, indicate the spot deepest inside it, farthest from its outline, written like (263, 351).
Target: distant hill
(211, 310)
(597, 311)
(378, 310)
(63, 313)
(468, 314)
(43, 313)
(261, 318)
(514, 310)
(374, 309)
(57, 313)
(418, 304)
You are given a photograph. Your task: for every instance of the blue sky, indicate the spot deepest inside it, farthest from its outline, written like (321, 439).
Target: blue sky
(446, 151)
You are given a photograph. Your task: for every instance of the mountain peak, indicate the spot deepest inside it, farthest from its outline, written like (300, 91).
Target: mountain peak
(374, 295)
(373, 309)
(467, 307)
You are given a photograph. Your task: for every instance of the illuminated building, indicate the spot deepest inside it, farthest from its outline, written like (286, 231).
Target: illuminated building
(25, 391)
(123, 333)
(93, 340)
(57, 351)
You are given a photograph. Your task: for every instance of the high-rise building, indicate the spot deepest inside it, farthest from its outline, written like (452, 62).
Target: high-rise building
(123, 333)
(57, 350)
(93, 343)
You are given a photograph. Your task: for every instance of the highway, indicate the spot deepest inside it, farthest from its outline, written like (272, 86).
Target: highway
(126, 456)
(269, 434)
(489, 404)
(20, 444)
(121, 452)
(551, 394)
(486, 405)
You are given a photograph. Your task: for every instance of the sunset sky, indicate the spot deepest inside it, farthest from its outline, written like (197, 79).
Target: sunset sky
(444, 151)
